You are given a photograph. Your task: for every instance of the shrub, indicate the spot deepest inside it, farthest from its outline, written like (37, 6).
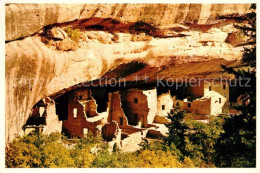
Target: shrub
(21, 154)
(49, 151)
(157, 159)
(74, 34)
(37, 150)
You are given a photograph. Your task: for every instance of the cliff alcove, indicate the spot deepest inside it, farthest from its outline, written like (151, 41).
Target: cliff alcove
(148, 41)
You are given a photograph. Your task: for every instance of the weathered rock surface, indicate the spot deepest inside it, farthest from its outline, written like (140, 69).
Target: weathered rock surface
(25, 19)
(57, 33)
(35, 70)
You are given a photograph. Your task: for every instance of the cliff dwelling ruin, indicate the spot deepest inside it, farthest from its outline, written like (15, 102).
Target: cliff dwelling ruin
(47, 57)
(126, 116)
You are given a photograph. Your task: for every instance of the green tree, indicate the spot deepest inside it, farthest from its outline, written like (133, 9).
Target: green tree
(36, 150)
(176, 132)
(237, 145)
(201, 140)
(192, 139)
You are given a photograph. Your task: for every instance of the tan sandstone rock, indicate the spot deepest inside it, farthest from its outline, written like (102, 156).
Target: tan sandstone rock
(35, 70)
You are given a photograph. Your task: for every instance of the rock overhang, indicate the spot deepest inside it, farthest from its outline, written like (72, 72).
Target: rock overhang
(185, 47)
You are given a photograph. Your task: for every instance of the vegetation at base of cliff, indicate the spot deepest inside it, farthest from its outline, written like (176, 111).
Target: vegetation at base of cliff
(189, 144)
(226, 141)
(43, 151)
(179, 150)
(193, 139)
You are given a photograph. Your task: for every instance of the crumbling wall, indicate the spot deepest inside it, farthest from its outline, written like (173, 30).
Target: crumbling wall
(152, 104)
(178, 103)
(155, 134)
(111, 132)
(37, 116)
(164, 104)
(91, 108)
(135, 106)
(131, 143)
(198, 106)
(116, 112)
(218, 91)
(140, 106)
(83, 95)
(77, 119)
(52, 121)
(202, 106)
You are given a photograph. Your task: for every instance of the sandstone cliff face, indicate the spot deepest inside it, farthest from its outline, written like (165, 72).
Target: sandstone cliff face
(183, 35)
(25, 19)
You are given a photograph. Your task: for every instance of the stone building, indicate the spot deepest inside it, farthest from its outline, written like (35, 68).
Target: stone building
(218, 91)
(206, 98)
(116, 112)
(164, 107)
(140, 106)
(201, 106)
(125, 117)
(82, 114)
(43, 118)
(128, 117)
(52, 122)
(164, 104)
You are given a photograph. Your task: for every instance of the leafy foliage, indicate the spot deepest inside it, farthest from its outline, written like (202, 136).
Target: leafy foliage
(192, 139)
(36, 150)
(176, 130)
(237, 145)
(74, 34)
(201, 140)
(225, 141)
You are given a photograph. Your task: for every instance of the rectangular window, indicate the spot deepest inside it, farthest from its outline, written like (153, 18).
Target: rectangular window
(163, 107)
(75, 112)
(135, 100)
(85, 132)
(41, 111)
(209, 88)
(224, 86)
(219, 100)
(189, 105)
(121, 121)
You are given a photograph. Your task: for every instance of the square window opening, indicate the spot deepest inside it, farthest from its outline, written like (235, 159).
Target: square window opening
(163, 107)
